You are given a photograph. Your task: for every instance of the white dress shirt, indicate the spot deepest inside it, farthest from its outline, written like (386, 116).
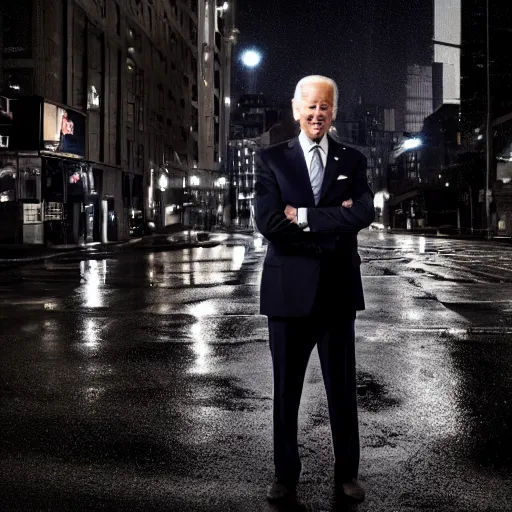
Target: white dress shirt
(306, 144)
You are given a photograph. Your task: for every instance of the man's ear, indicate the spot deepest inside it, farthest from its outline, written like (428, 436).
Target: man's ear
(296, 110)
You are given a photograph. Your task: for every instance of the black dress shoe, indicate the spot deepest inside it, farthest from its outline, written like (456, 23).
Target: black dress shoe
(351, 491)
(277, 491)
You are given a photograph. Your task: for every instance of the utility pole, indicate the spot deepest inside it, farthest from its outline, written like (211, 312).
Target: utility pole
(488, 132)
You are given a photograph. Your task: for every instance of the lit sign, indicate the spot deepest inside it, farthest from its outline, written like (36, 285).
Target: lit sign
(63, 131)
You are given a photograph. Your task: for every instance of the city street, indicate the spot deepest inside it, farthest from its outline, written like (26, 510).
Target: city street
(141, 381)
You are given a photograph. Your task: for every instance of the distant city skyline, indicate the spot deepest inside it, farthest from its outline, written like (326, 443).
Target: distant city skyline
(363, 46)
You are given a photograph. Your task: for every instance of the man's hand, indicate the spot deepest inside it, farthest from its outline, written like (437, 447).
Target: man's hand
(348, 203)
(291, 213)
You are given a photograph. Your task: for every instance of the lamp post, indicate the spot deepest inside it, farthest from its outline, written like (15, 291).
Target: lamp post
(488, 131)
(251, 59)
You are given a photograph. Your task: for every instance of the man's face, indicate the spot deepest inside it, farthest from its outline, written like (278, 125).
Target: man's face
(315, 109)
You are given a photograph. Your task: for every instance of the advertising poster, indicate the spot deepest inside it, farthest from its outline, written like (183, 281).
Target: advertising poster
(63, 131)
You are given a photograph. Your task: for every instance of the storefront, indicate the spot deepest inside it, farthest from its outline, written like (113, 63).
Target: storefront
(46, 186)
(20, 198)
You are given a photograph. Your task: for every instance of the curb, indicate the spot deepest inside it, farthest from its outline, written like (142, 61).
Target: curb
(497, 239)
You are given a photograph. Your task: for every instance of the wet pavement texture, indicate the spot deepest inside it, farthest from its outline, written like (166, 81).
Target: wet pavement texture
(141, 381)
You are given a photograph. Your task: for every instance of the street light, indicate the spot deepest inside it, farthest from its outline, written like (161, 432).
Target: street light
(412, 143)
(488, 131)
(251, 59)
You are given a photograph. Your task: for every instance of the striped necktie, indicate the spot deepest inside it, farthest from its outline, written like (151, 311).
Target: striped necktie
(316, 172)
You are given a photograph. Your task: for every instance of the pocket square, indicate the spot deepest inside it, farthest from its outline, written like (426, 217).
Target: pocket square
(342, 177)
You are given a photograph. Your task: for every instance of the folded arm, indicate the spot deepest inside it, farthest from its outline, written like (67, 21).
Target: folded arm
(339, 219)
(269, 209)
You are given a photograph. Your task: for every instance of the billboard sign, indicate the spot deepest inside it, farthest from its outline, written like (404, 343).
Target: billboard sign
(63, 131)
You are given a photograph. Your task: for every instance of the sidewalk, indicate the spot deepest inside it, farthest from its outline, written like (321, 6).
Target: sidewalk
(435, 233)
(173, 237)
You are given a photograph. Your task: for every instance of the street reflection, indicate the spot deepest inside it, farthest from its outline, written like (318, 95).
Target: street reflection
(92, 394)
(92, 275)
(201, 309)
(422, 244)
(413, 314)
(201, 349)
(194, 267)
(91, 334)
(49, 336)
(238, 257)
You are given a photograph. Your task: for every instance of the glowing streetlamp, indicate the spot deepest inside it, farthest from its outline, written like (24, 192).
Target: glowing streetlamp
(412, 143)
(251, 59)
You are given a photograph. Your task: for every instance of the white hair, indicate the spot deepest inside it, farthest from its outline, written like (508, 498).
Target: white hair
(316, 79)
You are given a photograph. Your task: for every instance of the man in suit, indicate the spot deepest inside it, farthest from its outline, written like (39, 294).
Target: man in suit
(312, 198)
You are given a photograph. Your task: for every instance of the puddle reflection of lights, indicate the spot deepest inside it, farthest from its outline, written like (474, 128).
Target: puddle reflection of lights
(422, 245)
(407, 243)
(458, 333)
(50, 338)
(93, 393)
(91, 276)
(238, 256)
(164, 309)
(201, 350)
(202, 309)
(91, 334)
(413, 314)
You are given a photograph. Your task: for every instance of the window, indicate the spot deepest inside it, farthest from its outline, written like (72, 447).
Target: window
(130, 113)
(140, 155)
(118, 20)
(95, 73)
(79, 72)
(19, 82)
(30, 178)
(7, 181)
(129, 152)
(17, 29)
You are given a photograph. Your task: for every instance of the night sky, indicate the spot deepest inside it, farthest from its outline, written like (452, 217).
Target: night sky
(362, 44)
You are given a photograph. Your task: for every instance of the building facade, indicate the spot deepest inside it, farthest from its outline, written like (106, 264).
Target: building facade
(419, 100)
(127, 73)
(255, 123)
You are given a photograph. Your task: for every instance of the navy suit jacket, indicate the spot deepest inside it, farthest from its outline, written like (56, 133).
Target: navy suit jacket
(295, 259)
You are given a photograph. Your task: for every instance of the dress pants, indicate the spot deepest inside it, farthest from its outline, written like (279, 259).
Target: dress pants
(291, 342)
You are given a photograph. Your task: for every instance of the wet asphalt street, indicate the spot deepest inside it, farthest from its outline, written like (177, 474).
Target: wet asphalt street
(141, 381)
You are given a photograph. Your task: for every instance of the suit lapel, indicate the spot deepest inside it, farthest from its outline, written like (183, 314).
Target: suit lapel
(334, 160)
(297, 164)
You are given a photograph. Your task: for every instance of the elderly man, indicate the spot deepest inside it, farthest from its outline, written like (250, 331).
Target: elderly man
(312, 198)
